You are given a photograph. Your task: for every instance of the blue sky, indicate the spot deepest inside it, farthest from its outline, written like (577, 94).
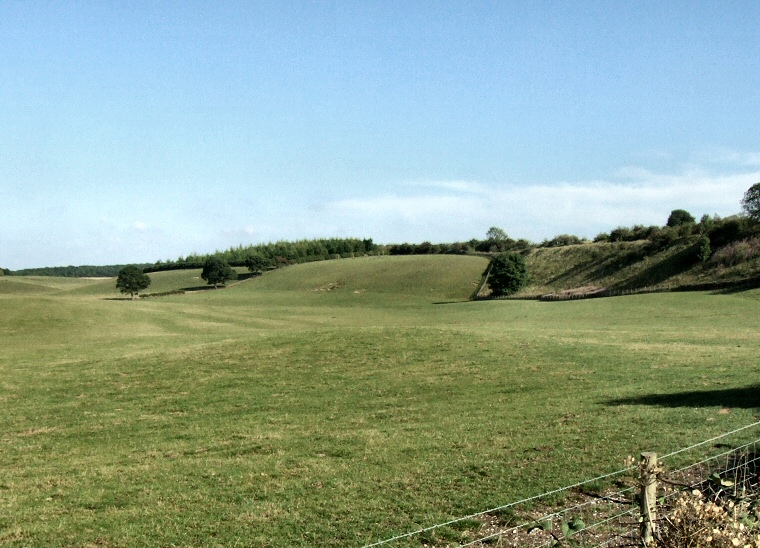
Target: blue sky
(137, 131)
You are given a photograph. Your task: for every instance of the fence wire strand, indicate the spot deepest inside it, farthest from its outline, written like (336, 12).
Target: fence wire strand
(615, 498)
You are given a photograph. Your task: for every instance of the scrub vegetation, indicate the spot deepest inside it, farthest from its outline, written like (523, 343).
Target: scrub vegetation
(339, 402)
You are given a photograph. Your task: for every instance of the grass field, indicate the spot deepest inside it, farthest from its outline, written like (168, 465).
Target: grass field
(337, 403)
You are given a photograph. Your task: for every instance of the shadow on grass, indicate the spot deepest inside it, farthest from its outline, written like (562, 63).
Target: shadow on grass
(739, 287)
(663, 270)
(744, 398)
(200, 288)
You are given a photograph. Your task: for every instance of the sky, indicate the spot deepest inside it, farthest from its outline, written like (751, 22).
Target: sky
(132, 131)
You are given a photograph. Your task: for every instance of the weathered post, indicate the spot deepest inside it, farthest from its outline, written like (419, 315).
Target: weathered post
(648, 500)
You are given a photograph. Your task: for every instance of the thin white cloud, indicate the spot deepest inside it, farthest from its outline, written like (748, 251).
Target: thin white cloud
(140, 225)
(419, 207)
(732, 157)
(633, 196)
(458, 186)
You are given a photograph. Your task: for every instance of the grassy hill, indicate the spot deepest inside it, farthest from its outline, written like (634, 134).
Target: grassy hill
(426, 277)
(340, 402)
(630, 266)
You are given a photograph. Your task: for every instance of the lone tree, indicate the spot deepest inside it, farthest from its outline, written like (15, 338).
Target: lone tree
(751, 202)
(495, 234)
(680, 217)
(216, 271)
(256, 263)
(132, 280)
(508, 274)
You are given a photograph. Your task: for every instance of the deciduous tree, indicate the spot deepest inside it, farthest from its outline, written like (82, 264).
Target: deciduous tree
(680, 217)
(132, 280)
(256, 263)
(495, 234)
(508, 274)
(217, 271)
(751, 202)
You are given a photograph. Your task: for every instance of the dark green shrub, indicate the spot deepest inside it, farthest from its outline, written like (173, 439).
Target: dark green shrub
(662, 238)
(621, 234)
(728, 230)
(508, 274)
(602, 237)
(562, 240)
(704, 251)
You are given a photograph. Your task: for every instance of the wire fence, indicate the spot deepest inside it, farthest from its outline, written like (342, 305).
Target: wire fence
(603, 511)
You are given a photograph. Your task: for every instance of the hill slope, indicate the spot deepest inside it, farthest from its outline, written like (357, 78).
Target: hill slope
(629, 266)
(427, 277)
(443, 277)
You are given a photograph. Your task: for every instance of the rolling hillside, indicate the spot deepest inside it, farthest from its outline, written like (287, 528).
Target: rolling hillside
(426, 277)
(338, 403)
(630, 266)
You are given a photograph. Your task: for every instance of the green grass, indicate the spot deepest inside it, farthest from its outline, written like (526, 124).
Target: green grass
(335, 403)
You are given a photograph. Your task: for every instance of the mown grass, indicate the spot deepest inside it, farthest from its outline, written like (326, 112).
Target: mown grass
(336, 403)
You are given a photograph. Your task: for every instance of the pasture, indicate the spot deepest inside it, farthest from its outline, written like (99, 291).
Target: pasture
(341, 402)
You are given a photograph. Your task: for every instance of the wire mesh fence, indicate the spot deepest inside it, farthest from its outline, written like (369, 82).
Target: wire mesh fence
(605, 511)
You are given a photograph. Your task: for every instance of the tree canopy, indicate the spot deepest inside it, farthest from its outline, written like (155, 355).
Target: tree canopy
(508, 274)
(256, 263)
(751, 202)
(132, 280)
(216, 271)
(496, 234)
(680, 217)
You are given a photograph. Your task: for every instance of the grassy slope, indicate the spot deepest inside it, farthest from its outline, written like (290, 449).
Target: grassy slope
(625, 266)
(270, 414)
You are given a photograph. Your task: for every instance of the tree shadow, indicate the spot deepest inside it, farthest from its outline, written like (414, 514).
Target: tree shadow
(198, 288)
(738, 287)
(743, 398)
(663, 270)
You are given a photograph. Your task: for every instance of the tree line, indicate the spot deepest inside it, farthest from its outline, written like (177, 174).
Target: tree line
(84, 271)
(275, 255)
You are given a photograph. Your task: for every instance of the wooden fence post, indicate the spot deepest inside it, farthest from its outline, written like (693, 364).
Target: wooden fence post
(648, 500)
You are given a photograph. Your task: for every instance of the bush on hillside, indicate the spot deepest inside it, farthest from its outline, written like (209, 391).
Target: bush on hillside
(621, 234)
(562, 240)
(662, 238)
(737, 252)
(704, 250)
(728, 230)
(602, 237)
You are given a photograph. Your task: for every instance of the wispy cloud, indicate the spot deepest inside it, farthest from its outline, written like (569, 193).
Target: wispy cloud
(469, 187)
(731, 157)
(632, 196)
